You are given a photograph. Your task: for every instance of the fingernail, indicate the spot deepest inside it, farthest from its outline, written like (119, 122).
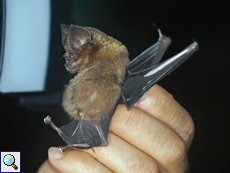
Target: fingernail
(54, 153)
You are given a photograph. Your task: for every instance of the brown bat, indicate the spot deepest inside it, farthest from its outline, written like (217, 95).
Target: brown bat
(103, 81)
(101, 62)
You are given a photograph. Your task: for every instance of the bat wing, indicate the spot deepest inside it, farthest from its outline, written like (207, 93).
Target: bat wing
(150, 56)
(88, 133)
(138, 82)
(85, 137)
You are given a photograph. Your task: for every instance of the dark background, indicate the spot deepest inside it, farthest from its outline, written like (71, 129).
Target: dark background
(200, 85)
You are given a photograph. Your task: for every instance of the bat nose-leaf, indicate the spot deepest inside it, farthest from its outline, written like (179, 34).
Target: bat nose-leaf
(68, 62)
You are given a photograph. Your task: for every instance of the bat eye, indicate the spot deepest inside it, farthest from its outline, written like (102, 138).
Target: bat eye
(73, 57)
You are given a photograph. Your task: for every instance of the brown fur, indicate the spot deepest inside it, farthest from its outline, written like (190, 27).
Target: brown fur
(101, 66)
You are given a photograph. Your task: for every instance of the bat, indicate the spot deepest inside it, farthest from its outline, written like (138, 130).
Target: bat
(105, 79)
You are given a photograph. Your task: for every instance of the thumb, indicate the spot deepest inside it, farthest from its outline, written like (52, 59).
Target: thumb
(73, 161)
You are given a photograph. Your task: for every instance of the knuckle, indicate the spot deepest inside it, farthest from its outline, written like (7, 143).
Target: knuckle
(177, 153)
(184, 126)
(131, 122)
(164, 100)
(142, 164)
(190, 131)
(149, 166)
(124, 123)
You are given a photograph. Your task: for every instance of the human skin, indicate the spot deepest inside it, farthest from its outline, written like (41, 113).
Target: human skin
(153, 136)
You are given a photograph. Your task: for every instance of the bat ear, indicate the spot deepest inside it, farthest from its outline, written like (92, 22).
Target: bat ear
(65, 33)
(78, 36)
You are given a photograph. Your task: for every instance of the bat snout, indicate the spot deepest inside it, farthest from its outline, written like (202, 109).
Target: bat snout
(73, 64)
(68, 62)
(69, 59)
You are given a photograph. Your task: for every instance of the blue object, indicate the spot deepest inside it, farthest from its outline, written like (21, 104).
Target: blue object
(8, 159)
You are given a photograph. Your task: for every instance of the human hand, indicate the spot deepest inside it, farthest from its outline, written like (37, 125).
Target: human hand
(153, 136)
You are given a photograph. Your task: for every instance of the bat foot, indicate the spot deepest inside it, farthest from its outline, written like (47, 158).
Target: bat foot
(82, 143)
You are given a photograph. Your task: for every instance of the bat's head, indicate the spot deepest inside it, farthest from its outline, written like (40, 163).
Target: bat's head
(75, 40)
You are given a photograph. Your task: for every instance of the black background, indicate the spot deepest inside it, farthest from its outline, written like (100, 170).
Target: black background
(200, 85)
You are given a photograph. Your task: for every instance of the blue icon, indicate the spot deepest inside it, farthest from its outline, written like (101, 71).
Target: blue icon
(9, 160)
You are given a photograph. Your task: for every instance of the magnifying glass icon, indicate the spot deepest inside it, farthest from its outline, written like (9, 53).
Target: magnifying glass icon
(9, 160)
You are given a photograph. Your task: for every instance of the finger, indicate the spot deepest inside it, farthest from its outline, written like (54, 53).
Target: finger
(46, 167)
(158, 103)
(150, 136)
(73, 161)
(120, 156)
